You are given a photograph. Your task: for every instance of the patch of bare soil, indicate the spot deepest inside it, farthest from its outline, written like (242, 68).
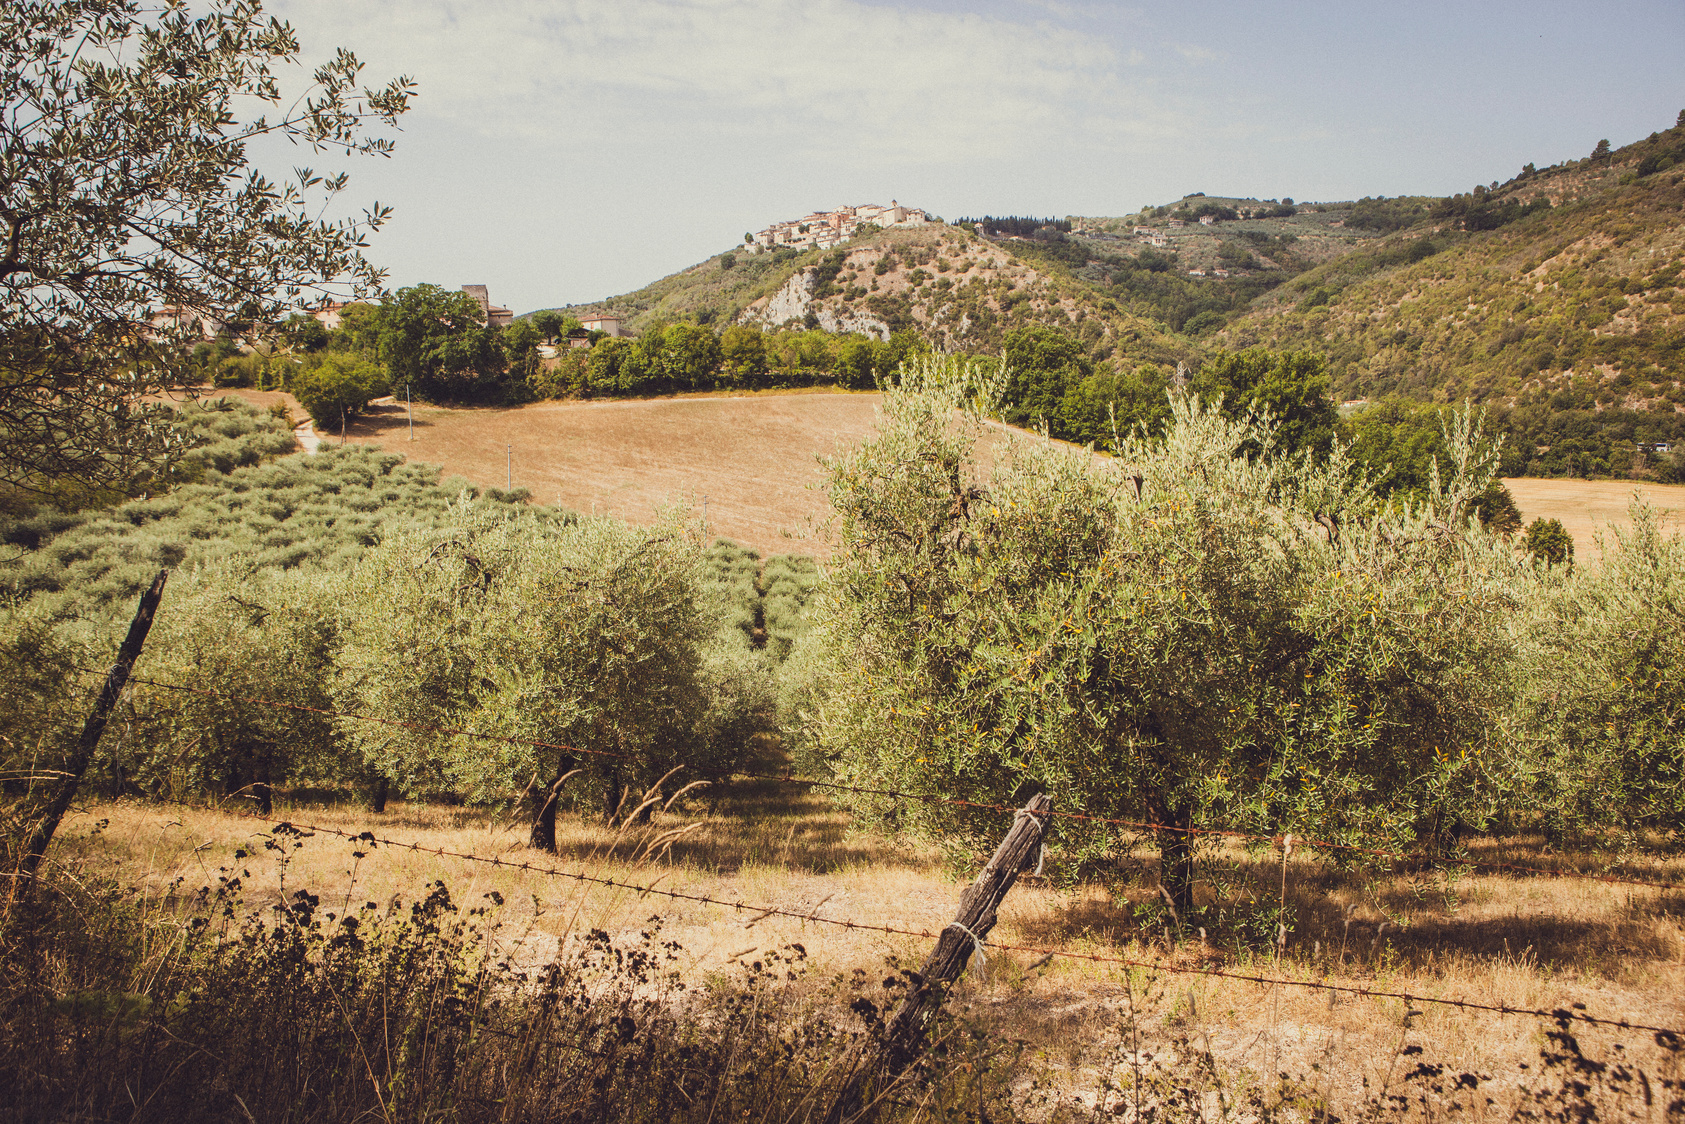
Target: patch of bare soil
(751, 461)
(1587, 507)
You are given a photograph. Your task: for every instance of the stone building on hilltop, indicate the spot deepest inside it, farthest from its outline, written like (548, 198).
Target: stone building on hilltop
(824, 229)
(496, 316)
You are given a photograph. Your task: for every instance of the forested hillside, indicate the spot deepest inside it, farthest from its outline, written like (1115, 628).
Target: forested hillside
(1554, 297)
(951, 287)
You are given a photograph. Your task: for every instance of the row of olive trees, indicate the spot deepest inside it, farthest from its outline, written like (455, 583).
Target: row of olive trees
(534, 631)
(1206, 630)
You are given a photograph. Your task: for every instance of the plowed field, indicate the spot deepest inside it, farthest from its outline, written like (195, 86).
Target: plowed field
(1587, 507)
(755, 459)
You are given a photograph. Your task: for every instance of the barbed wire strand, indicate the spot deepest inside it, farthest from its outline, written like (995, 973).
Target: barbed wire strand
(761, 912)
(1138, 825)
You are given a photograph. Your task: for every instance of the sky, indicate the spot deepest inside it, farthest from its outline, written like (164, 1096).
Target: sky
(564, 151)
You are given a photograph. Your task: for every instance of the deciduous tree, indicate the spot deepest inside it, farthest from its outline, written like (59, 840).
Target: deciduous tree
(437, 342)
(125, 184)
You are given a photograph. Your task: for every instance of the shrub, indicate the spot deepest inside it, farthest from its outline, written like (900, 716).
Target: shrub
(1548, 541)
(332, 387)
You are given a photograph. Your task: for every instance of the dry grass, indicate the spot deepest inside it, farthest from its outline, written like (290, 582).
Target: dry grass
(1587, 507)
(753, 456)
(1524, 941)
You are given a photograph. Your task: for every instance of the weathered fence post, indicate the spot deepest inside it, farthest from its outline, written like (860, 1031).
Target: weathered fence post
(904, 1033)
(115, 680)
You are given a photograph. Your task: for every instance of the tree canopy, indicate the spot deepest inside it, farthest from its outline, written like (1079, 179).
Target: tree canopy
(438, 342)
(126, 184)
(1180, 635)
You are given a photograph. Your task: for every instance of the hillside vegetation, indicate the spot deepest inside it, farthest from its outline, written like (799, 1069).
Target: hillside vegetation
(1571, 312)
(954, 288)
(1553, 298)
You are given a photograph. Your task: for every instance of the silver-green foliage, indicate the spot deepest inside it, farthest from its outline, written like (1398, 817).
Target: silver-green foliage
(1185, 634)
(322, 510)
(126, 183)
(787, 582)
(254, 648)
(589, 635)
(46, 700)
(1604, 703)
(732, 574)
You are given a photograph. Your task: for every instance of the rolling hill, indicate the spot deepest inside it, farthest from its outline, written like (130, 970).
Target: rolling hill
(1576, 293)
(1554, 298)
(948, 284)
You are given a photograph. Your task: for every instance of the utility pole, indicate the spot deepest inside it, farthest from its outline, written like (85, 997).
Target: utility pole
(410, 410)
(509, 469)
(704, 515)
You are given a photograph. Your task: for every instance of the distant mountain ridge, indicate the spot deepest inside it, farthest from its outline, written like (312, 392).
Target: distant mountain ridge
(1581, 286)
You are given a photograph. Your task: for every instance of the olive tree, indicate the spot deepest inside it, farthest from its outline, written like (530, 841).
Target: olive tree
(1201, 631)
(257, 647)
(1605, 697)
(126, 184)
(559, 645)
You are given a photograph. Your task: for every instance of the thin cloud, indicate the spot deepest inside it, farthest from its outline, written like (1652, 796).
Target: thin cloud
(833, 74)
(1193, 52)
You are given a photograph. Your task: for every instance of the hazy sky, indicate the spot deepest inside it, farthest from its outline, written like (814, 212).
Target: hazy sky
(562, 151)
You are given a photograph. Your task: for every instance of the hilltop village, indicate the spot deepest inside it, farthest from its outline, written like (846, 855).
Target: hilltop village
(825, 229)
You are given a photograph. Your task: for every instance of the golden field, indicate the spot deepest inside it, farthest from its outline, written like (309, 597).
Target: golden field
(1494, 938)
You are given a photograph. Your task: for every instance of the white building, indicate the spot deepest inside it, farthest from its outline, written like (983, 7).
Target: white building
(825, 229)
(611, 325)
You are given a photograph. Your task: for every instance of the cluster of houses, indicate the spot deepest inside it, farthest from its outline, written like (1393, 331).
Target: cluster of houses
(825, 229)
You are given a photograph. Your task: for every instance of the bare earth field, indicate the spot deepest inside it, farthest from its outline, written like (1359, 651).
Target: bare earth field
(1587, 507)
(1520, 940)
(754, 458)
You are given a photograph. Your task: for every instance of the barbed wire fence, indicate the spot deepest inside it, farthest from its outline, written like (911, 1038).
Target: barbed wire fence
(1275, 840)
(973, 942)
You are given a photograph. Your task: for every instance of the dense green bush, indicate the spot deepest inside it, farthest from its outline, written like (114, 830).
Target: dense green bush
(1549, 541)
(334, 387)
(235, 633)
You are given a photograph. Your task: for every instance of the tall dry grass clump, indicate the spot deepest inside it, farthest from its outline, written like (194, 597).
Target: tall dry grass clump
(193, 1006)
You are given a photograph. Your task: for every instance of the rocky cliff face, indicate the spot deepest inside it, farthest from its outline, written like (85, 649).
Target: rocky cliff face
(791, 305)
(959, 291)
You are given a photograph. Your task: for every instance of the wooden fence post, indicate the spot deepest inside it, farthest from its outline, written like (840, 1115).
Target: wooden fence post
(904, 1033)
(115, 680)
